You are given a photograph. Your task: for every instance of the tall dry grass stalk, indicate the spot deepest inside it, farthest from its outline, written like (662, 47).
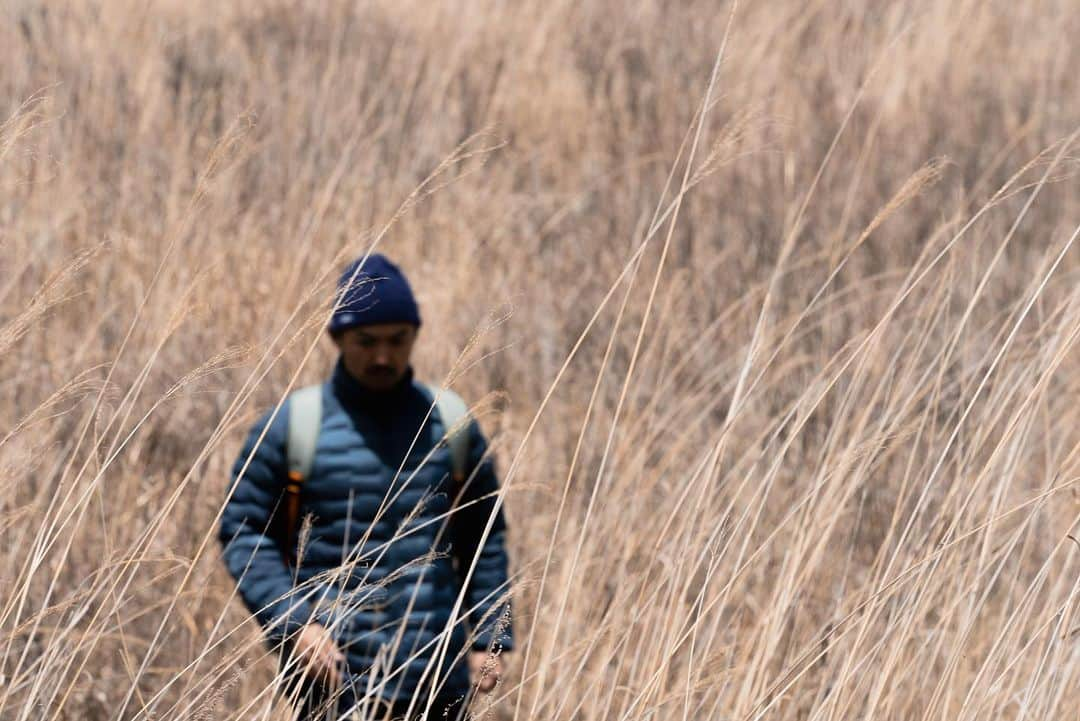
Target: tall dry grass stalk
(787, 333)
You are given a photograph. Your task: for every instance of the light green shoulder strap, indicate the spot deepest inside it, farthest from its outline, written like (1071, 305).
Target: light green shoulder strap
(305, 420)
(455, 418)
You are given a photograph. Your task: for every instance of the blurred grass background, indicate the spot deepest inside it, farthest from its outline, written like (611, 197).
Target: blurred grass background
(825, 470)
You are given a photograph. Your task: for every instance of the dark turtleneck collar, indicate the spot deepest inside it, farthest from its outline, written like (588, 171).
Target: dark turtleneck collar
(355, 396)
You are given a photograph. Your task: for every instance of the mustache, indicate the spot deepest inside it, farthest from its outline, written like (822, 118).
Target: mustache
(380, 370)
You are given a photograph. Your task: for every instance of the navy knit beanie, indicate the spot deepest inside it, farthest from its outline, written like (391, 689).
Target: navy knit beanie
(379, 293)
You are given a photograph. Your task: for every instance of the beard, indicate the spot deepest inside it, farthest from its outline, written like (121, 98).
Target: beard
(382, 376)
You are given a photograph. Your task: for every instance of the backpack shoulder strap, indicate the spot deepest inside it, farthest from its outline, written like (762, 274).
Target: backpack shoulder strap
(454, 413)
(305, 421)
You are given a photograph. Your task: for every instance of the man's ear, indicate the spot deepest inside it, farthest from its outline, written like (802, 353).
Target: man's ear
(335, 336)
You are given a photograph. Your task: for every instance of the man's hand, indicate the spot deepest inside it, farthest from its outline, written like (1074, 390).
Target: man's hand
(485, 670)
(319, 657)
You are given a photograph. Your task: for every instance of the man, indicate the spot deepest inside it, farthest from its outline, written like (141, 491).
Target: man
(360, 600)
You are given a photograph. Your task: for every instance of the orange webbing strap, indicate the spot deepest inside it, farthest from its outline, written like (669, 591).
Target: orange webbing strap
(292, 513)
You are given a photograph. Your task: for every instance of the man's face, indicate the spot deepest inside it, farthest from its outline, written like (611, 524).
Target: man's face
(377, 356)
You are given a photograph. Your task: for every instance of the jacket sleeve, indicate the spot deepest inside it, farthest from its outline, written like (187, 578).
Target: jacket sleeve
(252, 552)
(487, 591)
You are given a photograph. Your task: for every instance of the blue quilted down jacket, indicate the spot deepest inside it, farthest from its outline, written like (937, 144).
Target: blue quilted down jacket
(381, 566)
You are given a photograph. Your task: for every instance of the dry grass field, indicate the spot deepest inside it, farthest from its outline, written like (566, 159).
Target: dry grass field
(771, 308)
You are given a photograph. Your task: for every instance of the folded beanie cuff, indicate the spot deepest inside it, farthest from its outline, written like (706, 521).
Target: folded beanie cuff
(345, 318)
